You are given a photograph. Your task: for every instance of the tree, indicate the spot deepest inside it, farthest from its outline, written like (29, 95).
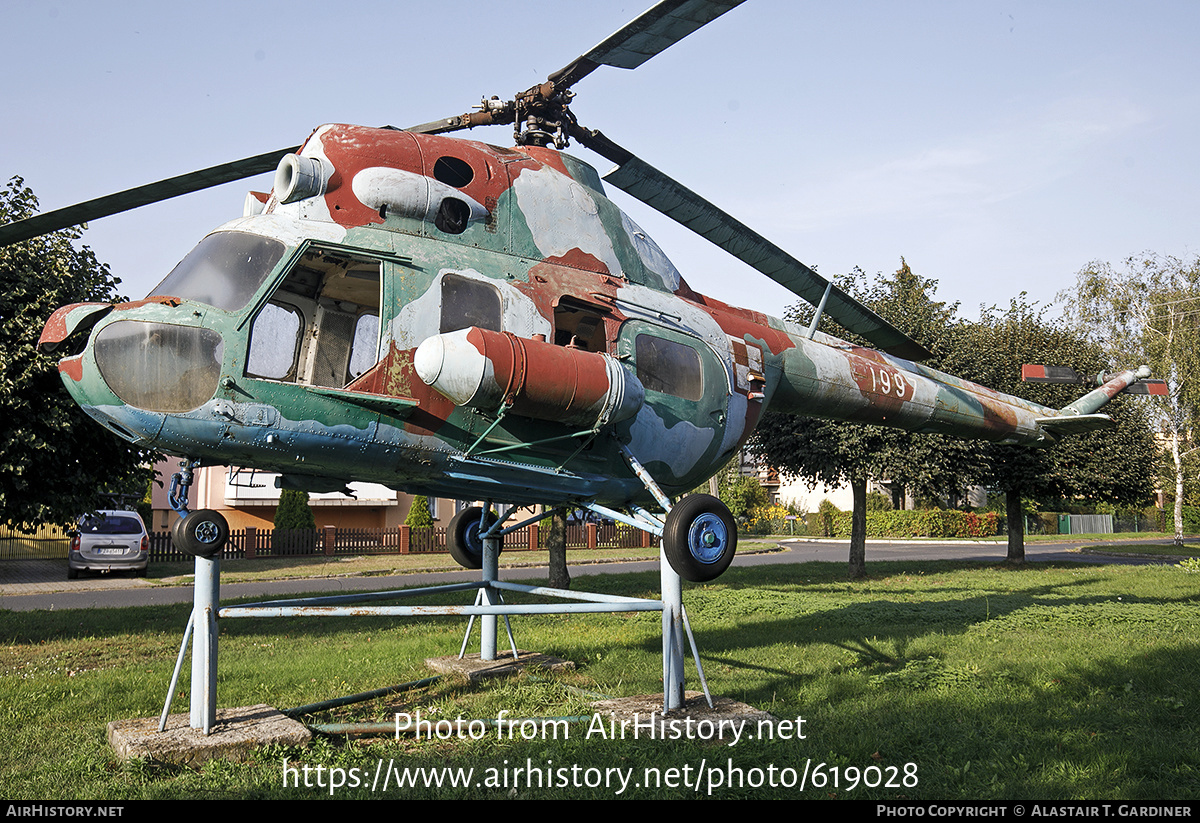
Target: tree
(556, 545)
(741, 493)
(1147, 314)
(836, 452)
(293, 511)
(55, 462)
(418, 513)
(1114, 466)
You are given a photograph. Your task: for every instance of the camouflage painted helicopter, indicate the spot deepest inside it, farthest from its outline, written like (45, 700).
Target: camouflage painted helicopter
(452, 318)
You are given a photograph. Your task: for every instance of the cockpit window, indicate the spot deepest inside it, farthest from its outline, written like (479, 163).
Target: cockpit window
(224, 270)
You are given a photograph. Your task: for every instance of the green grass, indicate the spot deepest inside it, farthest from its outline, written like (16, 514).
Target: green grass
(1053, 682)
(281, 568)
(1161, 549)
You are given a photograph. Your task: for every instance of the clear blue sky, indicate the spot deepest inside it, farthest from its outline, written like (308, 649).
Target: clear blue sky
(997, 146)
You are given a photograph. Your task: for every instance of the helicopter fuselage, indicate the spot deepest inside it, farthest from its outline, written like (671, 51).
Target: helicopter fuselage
(451, 318)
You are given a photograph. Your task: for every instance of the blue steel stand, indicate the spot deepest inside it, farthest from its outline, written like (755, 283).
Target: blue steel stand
(205, 603)
(488, 606)
(672, 632)
(491, 596)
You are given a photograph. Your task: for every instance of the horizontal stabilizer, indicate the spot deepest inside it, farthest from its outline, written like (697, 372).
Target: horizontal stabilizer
(1076, 423)
(1157, 388)
(1050, 374)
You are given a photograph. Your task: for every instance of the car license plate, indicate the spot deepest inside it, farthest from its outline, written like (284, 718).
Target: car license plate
(110, 551)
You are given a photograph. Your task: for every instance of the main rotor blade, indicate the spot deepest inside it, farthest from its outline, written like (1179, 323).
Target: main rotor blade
(655, 30)
(683, 205)
(139, 196)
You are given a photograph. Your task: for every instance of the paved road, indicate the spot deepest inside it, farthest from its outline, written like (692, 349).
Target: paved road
(27, 585)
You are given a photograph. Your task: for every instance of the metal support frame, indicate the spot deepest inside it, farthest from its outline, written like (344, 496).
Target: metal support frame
(206, 602)
(202, 630)
(202, 623)
(489, 604)
(816, 321)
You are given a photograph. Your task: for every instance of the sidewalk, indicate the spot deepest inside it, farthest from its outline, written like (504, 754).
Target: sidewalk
(48, 576)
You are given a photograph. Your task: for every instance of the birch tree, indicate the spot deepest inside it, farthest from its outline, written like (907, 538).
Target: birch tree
(1148, 312)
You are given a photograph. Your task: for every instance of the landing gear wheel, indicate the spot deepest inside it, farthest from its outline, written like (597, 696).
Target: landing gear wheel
(699, 538)
(201, 533)
(463, 540)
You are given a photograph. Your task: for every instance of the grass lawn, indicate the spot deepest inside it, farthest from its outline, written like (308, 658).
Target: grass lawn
(1188, 549)
(281, 568)
(959, 680)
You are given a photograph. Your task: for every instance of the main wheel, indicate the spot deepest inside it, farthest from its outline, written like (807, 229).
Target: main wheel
(201, 533)
(699, 538)
(463, 537)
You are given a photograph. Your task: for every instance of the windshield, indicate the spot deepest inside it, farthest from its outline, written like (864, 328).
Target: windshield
(224, 270)
(98, 523)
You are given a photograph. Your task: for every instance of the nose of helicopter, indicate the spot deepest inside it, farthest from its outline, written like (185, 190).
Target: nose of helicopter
(153, 368)
(158, 367)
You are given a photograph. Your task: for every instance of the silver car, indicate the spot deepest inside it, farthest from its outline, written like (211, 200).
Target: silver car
(106, 541)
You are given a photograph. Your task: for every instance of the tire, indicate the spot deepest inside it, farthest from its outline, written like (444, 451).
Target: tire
(463, 540)
(72, 574)
(699, 538)
(201, 533)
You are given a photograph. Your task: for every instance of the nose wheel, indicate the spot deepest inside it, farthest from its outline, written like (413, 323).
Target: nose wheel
(699, 538)
(201, 533)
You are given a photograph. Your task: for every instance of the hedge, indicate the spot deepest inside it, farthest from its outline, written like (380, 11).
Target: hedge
(921, 523)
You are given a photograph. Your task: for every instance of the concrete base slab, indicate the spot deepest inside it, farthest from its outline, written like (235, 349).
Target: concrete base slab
(235, 734)
(726, 719)
(474, 669)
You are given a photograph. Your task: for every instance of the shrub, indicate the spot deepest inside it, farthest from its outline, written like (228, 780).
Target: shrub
(922, 523)
(418, 513)
(293, 514)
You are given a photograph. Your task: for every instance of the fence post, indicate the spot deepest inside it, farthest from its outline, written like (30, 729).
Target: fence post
(330, 540)
(591, 535)
(534, 538)
(405, 538)
(645, 538)
(251, 543)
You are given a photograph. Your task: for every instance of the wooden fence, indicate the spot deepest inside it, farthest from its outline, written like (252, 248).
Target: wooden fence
(333, 542)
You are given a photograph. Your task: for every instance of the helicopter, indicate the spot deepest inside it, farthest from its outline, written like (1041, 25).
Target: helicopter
(453, 318)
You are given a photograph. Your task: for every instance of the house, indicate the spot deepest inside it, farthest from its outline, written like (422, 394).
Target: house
(248, 498)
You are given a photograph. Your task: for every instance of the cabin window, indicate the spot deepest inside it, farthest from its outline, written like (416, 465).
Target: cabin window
(579, 326)
(651, 255)
(669, 367)
(321, 327)
(224, 270)
(275, 342)
(364, 348)
(467, 303)
(453, 171)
